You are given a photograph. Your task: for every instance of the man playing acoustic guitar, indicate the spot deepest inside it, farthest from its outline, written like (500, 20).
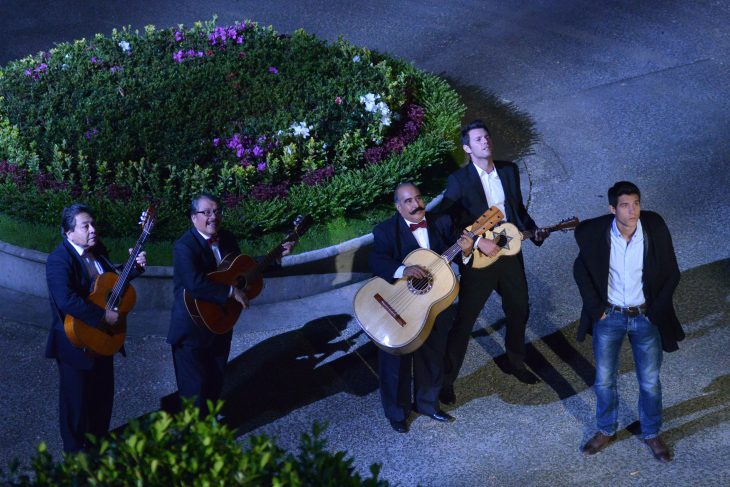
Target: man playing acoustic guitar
(86, 379)
(199, 355)
(470, 190)
(394, 239)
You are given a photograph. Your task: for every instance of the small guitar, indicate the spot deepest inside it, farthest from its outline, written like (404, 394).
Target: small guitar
(399, 317)
(243, 272)
(111, 292)
(509, 239)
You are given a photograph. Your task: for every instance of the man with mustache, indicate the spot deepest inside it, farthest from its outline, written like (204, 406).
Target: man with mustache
(199, 355)
(470, 191)
(394, 239)
(86, 386)
(627, 272)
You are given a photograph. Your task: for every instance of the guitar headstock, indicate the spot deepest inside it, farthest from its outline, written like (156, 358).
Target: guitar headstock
(147, 219)
(301, 225)
(487, 221)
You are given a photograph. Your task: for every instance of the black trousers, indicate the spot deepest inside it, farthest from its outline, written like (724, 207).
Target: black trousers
(507, 277)
(421, 370)
(199, 371)
(85, 402)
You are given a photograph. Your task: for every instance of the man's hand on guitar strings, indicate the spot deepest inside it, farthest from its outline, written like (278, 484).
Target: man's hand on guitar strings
(240, 296)
(415, 271)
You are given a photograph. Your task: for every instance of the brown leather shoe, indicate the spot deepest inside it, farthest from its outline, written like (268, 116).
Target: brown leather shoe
(659, 449)
(597, 443)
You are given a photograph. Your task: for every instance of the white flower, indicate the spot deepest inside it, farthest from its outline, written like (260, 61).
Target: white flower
(287, 149)
(369, 101)
(64, 66)
(356, 59)
(300, 129)
(385, 120)
(125, 46)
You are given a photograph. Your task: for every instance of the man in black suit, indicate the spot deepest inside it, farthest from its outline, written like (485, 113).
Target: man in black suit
(470, 191)
(394, 239)
(86, 379)
(627, 272)
(200, 356)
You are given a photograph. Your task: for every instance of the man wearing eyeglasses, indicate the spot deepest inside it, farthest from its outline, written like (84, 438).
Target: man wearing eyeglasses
(200, 356)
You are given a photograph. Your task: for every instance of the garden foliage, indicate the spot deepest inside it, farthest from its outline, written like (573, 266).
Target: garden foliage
(278, 125)
(183, 450)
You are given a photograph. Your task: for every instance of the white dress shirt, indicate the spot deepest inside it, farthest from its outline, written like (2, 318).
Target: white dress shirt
(421, 235)
(93, 266)
(493, 189)
(626, 268)
(216, 250)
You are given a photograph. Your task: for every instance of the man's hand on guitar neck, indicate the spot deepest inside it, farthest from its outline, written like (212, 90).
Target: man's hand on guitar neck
(541, 234)
(240, 296)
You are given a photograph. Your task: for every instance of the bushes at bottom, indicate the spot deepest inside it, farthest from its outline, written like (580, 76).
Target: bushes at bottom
(183, 450)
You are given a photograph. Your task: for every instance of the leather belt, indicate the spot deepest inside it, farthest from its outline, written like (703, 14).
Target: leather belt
(628, 310)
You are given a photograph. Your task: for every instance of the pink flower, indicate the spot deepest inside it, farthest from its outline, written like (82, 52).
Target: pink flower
(338, 100)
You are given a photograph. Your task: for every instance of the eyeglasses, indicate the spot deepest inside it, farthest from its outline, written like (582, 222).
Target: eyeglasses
(209, 212)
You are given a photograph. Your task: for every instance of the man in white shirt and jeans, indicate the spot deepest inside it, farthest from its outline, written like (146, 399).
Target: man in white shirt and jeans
(627, 272)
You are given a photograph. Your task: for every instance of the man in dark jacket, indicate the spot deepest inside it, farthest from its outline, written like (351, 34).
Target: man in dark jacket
(394, 239)
(627, 272)
(86, 379)
(471, 190)
(199, 355)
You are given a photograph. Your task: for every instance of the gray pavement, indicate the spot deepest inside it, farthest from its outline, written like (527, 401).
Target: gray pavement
(618, 90)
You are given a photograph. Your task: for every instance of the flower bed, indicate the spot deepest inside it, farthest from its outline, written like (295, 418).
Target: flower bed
(278, 125)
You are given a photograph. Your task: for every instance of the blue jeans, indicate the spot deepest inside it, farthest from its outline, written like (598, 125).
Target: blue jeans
(646, 346)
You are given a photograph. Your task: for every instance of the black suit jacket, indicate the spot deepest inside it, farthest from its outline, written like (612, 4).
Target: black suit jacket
(69, 285)
(464, 199)
(393, 241)
(660, 275)
(193, 259)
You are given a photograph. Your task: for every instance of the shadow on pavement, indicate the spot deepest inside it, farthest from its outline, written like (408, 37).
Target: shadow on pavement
(290, 370)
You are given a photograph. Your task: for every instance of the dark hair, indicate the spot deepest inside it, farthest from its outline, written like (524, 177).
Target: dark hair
(68, 216)
(200, 196)
(400, 185)
(621, 188)
(475, 124)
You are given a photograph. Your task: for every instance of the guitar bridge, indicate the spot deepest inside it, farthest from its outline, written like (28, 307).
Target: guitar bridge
(392, 312)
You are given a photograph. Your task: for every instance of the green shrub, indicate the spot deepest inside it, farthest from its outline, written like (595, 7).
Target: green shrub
(183, 450)
(278, 125)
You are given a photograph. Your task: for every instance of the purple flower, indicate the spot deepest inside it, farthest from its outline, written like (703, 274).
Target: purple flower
(374, 155)
(317, 176)
(258, 151)
(179, 36)
(116, 69)
(93, 60)
(261, 166)
(264, 192)
(216, 142)
(178, 56)
(28, 72)
(273, 70)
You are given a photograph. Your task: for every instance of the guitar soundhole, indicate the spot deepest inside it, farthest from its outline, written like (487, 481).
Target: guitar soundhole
(502, 241)
(420, 285)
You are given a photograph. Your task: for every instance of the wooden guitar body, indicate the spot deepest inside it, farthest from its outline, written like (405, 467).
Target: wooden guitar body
(234, 270)
(506, 236)
(399, 317)
(109, 339)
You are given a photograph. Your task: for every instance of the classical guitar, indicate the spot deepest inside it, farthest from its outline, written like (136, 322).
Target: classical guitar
(509, 239)
(111, 291)
(399, 317)
(243, 272)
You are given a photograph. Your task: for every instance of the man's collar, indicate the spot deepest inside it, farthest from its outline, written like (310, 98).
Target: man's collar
(409, 222)
(638, 233)
(77, 248)
(481, 171)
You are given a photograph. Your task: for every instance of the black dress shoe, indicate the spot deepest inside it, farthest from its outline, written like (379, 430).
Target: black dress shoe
(399, 426)
(525, 376)
(447, 396)
(598, 442)
(659, 449)
(441, 416)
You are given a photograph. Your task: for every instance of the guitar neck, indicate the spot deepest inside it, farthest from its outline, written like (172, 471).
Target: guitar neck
(123, 280)
(454, 250)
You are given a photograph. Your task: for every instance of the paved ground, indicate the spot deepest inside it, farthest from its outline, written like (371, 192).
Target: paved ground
(617, 91)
